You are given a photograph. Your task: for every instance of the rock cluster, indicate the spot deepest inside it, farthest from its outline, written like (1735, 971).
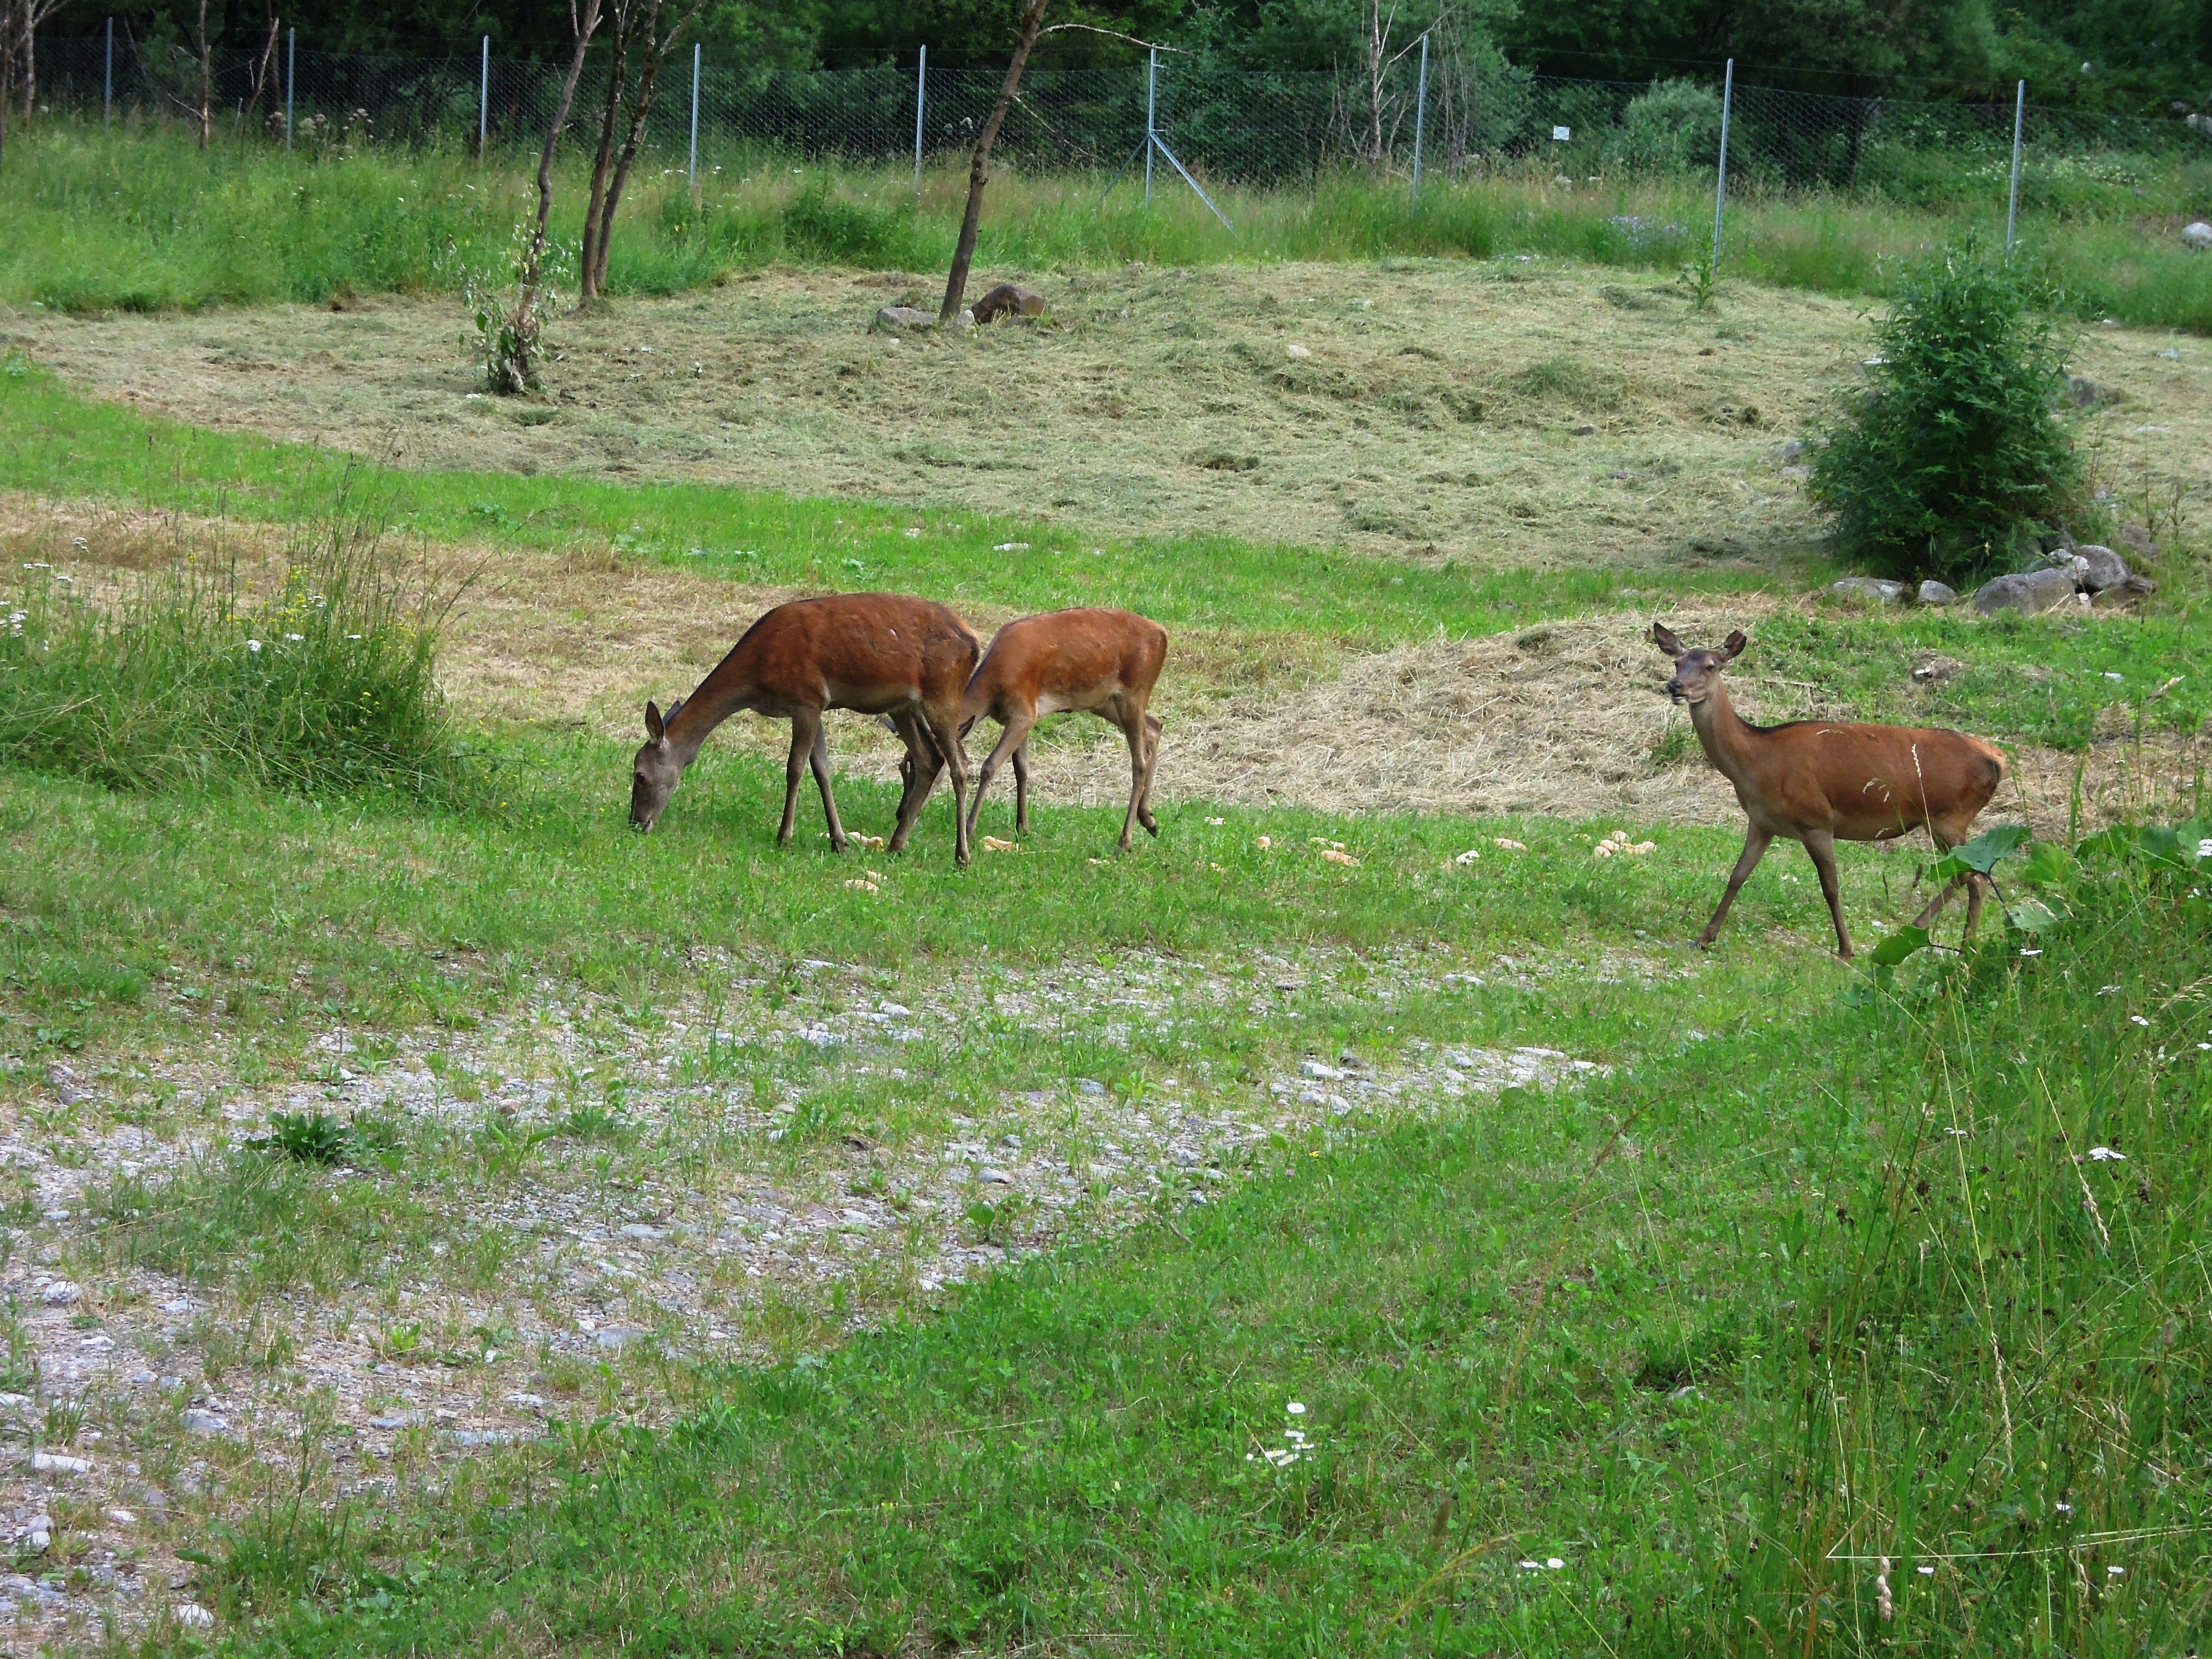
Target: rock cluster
(2076, 575)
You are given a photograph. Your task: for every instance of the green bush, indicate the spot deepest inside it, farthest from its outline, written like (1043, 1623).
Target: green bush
(1954, 449)
(324, 685)
(1673, 126)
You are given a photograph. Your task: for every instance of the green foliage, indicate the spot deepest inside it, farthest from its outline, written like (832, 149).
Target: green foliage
(324, 685)
(1673, 126)
(1954, 449)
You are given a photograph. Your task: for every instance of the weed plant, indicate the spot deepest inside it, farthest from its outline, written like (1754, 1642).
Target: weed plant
(1953, 454)
(189, 678)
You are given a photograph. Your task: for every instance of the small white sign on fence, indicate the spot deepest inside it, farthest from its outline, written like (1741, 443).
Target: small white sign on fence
(1562, 135)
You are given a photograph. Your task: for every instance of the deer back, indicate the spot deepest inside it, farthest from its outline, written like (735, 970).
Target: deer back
(1870, 782)
(1071, 659)
(849, 650)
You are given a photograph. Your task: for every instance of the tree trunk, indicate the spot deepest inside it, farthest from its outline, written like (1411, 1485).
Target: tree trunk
(657, 49)
(979, 170)
(625, 27)
(207, 81)
(7, 69)
(517, 372)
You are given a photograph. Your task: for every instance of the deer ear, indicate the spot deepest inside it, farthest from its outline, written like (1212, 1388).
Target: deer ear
(1663, 637)
(1736, 644)
(653, 726)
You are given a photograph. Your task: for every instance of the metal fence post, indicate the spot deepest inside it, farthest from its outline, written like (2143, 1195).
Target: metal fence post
(1151, 107)
(107, 76)
(920, 98)
(291, 79)
(693, 172)
(1720, 176)
(484, 98)
(1420, 114)
(2012, 207)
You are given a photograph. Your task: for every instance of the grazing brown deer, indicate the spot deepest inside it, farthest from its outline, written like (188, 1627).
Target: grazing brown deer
(880, 654)
(1818, 781)
(1104, 662)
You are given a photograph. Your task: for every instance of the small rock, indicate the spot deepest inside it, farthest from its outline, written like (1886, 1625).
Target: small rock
(123, 1518)
(1788, 452)
(894, 320)
(2137, 540)
(1868, 590)
(638, 1229)
(2197, 235)
(1090, 1086)
(59, 1463)
(2101, 567)
(1933, 665)
(1585, 430)
(200, 1421)
(1317, 1069)
(2083, 392)
(36, 1539)
(1932, 592)
(996, 1178)
(2033, 592)
(396, 1420)
(192, 1616)
(896, 1010)
(1009, 300)
(616, 1336)
(480, 1437)
(59, 1294)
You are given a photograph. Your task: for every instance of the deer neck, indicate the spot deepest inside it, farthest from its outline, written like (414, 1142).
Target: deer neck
(1729, 744)
(718, 698)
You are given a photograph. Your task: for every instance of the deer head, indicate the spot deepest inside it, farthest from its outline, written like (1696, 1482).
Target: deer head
(654, 773)
(1697, 673)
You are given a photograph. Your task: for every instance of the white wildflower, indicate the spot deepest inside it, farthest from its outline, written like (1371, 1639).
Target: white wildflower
(2106, 1155)
(254, 645)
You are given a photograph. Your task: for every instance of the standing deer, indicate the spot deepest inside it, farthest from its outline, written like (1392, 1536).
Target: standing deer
(1816, 781)
(880, 654)
(1104, 662)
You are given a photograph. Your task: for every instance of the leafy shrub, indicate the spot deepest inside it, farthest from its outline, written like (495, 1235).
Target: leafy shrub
(1954, 447)
(1673, 126)
(838, 230)
(324, 686)
(306, 1138)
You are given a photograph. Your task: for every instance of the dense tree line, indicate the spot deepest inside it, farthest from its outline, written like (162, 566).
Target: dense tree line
(2142, 55)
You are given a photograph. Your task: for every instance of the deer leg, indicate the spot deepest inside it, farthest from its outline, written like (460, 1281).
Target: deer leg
(1151, 762)
(1820, 847)
(1977, 885)
(1132, 728)
(817, 755)
(1021, 789)
(1754, 848)
(1011, 739)
(802, 743)
(1935, 906)
(946, 736)
(920, 771)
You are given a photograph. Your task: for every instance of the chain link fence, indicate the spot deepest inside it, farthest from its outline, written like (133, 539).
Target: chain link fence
(1224, 121)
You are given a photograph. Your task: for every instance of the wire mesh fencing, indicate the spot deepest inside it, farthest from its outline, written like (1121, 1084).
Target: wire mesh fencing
(1470, 116)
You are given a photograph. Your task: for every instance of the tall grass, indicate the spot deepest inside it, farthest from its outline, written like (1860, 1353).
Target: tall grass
(187, 678)
(143, 220)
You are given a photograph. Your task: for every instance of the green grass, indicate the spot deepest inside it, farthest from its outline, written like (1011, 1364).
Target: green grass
(1827, 1279)
(144, 222)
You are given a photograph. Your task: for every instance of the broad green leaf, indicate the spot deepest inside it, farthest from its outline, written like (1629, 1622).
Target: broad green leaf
(2048, 863)
(2031, 916)
(1897, 946)
(1981, 855)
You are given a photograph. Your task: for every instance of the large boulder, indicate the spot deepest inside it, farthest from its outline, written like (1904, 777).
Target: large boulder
(1009, 300)
(2032, 591)
(2101, 567)
(1868, 590)
(897, 319)
(1935, 593)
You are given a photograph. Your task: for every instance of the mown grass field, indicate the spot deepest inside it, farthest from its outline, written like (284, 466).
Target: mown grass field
(492, 1232)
